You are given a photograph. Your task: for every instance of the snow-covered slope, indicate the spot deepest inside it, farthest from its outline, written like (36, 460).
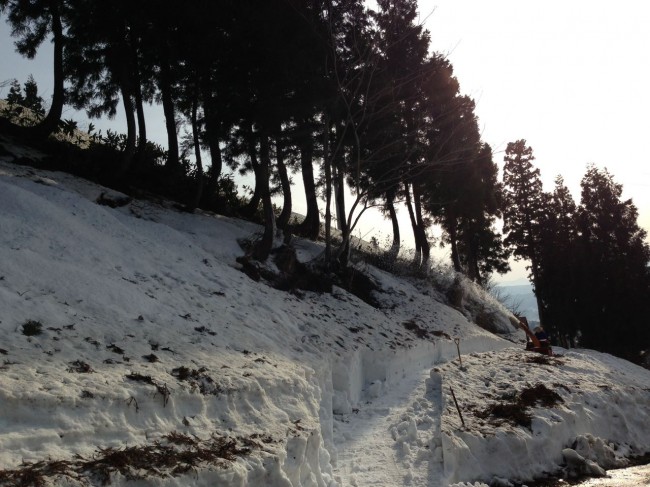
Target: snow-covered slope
(136, 352)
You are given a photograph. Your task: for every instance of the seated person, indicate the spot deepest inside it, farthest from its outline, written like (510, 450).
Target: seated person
(541, 336)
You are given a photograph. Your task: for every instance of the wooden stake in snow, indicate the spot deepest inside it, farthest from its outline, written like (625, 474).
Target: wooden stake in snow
(457, 342)
(457, 408)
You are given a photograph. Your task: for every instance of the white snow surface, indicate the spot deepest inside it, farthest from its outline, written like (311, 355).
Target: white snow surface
(324, 389)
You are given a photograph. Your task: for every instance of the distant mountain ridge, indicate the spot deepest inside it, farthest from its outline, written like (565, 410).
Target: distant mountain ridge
(520, 298)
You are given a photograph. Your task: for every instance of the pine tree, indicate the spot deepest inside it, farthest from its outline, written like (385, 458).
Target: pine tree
(480, 247)
(98, 64)
(392, 141)
(559, 262)
(614, 280)
(523, 208)
(32, 99)
(27, 96)
(276, 74)
(454, 177)
(451, 139)
(31, 22)
(15, 95)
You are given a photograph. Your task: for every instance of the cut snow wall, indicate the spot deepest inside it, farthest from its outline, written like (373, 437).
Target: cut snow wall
(364, 372)
(360, 373)
(618, 416)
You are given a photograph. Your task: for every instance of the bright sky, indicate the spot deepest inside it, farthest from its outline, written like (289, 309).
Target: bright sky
(570, 77)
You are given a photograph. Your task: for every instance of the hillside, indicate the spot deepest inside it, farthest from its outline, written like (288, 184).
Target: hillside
(136, 352)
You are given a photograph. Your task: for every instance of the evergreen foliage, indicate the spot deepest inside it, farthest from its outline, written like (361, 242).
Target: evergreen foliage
(523, 210)
(613, 287)
(31, 23)
(27, 96)
(523, 200)
(559, 257)
(590, 262)
(350, 96)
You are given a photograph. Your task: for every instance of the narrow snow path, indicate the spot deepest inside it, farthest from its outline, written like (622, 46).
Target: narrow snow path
(394, 439)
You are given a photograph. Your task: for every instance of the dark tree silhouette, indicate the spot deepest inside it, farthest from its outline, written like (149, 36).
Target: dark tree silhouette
(391, 139)
(348, 95)
(559, 265)
(523, 208)
(614, 280)
(480, 247)
(27, 96)
(31, 23)
(443, 124)
(98, 65)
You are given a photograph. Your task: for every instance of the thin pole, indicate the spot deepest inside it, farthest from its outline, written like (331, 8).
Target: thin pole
(457, 408)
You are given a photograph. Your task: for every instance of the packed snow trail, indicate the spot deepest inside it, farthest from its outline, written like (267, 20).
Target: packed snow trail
(394, 439)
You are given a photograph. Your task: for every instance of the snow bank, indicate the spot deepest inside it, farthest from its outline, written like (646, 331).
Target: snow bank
(133, 330)
(602, 413)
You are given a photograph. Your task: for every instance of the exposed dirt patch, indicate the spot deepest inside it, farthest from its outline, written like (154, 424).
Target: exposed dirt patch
(539, 394)
(80, 367)
(198, 379)
(294, 275)
(113, 200)
(537, 358)
(413, 327)
(514, 413)
(32, 328)
(177, 455)
(517, 410)
(356, 282)
(162, 389)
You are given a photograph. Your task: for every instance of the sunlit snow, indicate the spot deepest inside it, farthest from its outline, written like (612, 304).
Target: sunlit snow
(134, 328)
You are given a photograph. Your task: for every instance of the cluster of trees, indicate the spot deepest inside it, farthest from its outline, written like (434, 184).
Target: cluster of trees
(589, 262)
(26, 96)
(277, 88)
(283, 86)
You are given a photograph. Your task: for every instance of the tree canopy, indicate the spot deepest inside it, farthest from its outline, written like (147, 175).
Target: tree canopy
(589, 262)
(351, 97)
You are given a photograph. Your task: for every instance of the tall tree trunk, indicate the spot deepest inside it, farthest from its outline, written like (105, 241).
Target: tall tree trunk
(51, 121)
(339, 194)
(536, 289)
(137, 94)
(285, 215)
(129, 152)
(422, 233)
(173, 160)
(452, 230)
(343, 252)
(264, 246)
(142, 124)
(394, 248)
(328, 191)
(414, 225)
(310, 227)
(472, 244)
(216, 163)
(211, 132)
(251, 207)
(167, 97)
(339, 183)
(197, 154)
